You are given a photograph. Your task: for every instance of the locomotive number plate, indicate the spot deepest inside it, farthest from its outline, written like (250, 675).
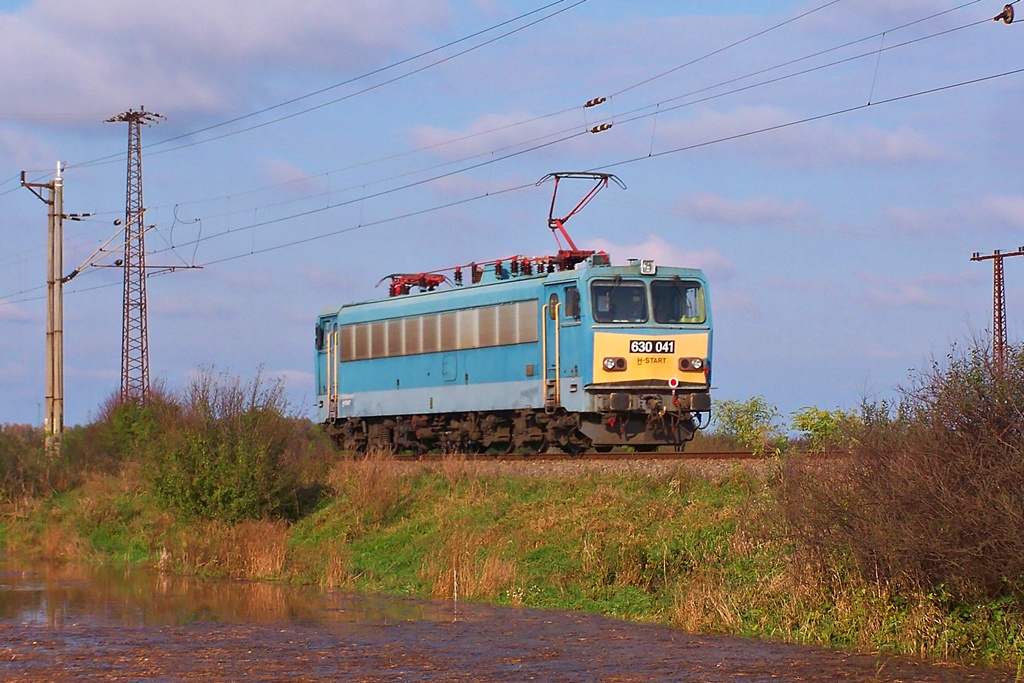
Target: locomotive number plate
(652, 346)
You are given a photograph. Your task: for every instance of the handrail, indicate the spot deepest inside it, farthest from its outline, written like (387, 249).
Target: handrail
(332, 375)
(557, 398)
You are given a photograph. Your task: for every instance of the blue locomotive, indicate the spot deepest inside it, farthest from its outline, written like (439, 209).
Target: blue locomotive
(566, 352)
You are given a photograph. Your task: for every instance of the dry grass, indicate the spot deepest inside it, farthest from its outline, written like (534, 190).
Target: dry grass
(255, 550)
(58, 543)
(456, 468)
(376, 481)
(336, 570)
(469, 568)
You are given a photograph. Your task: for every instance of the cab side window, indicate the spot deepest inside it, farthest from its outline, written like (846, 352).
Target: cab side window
(572, 303)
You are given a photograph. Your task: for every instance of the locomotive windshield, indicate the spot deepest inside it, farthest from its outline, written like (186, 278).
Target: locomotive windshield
(619, 301)
(678, 301)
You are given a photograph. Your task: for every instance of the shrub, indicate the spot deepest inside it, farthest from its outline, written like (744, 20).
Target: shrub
(930, 497)
(120, 433)
(220, 454)
(24, 466)
(824, 429)
(753, 423)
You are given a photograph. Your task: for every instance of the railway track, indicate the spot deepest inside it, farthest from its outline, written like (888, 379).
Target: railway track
(590, 455)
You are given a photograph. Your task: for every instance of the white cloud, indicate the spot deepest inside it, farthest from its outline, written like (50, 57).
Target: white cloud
(1001, 211)
(711, 261)
(292, 180)
(203, 308)
(734, 301)
(14, 314)
(187, 55)
(809, 144)
(921, 292)
(754, 211)
(19, 150)
(991, 213)
(292, 378)
(486, 134)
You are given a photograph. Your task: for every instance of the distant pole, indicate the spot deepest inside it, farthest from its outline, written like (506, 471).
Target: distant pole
(58, 309)
(999, 341)
(135, 333)
(53, 422)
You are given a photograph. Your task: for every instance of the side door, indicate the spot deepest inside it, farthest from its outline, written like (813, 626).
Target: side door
(561, 341)
(550, 315)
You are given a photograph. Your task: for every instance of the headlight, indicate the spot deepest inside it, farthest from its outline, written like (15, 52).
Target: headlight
(614, 364)
(691, 363)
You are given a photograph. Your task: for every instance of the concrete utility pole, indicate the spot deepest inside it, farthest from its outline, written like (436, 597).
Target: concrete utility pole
(135, 333)
(53, 422)
(998, 303)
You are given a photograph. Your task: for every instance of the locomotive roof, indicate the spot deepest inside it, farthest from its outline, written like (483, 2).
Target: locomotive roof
(493, 289)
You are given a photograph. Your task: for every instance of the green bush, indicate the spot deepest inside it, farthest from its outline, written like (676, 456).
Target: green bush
(24, 466)
(824, 429)
(753, 423)
(220, 453)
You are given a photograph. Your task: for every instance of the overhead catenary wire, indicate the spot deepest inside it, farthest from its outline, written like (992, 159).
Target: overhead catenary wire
(706, 143)
(628, 116)
(809, 119)
(625, 117)
(9, 300)
(214, 235)
(625, 113)
(667, 151)
(728, 47)
(409, 59)
(375, 86)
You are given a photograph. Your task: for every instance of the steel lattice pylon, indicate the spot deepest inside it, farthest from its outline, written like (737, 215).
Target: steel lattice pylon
(999, 341)
(998, 314)
(135, 335)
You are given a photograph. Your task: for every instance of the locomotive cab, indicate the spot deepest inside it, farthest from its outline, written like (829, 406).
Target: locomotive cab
(650, 374)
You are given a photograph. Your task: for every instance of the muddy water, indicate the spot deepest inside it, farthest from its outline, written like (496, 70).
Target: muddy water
(73, 624)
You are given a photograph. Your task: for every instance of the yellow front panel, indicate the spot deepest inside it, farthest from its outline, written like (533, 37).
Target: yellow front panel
(649, 366)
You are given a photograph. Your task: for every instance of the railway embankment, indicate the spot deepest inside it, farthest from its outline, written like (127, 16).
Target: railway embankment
(909, 544)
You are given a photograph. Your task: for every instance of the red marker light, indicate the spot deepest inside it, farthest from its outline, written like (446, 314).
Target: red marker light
(673, 383)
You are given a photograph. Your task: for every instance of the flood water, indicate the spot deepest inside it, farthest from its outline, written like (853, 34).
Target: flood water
(88, 624)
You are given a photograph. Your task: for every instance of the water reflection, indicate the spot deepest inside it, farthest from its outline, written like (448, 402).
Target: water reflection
(87, 623)
(125, 596)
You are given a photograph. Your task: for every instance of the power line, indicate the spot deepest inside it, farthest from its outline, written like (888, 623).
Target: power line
(706, 143)
(577, 3)
(407, 186)
(8, 301)
(778, 79)
(651, 109)
(728, 47)
(657, 105)
(621, 121)
(810, 119)
(579, 133)
(383, 193)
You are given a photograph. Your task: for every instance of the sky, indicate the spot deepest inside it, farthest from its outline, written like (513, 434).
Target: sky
(831, 165)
